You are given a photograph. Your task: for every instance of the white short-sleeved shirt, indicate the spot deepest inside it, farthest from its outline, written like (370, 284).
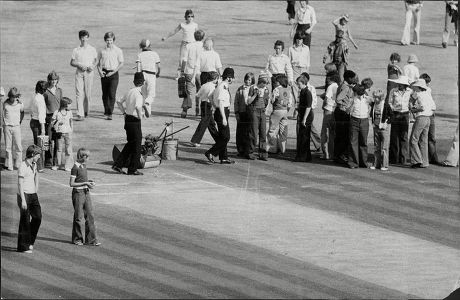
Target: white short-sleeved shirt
(192, 55)
(12, 114)
(279, 64)
(222, 94)
(188, 31)
(148, 60)
(132, 99)
(306, 16)
(331, 95)
(300, 56)
(412, 72)
(360, 107)
(209, 61)
(38, 108)
(206, 91)
(28, 171)
(84, 55)
(111, 58)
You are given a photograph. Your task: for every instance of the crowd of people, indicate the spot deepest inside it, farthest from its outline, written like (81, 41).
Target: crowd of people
(281, 91)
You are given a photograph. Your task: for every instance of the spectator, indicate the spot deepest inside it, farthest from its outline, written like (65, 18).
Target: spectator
(413, 10)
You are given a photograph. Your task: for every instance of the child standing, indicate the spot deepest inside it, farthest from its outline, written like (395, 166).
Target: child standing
(81, 200)
(411, 70)
(432, 154)
(381, 118)
(62, 123)
(393, 71)
(30, 209)
(11, 114)
(243, 117)
(304, 121)
(328, 127)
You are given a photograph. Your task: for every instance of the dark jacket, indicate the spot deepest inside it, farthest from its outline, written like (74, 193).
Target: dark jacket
(387, 113)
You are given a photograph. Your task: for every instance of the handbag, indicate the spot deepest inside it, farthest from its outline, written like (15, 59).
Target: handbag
(181, 87)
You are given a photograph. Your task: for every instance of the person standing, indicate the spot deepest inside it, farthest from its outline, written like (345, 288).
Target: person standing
(63, 127)
(399, 103)
(209, 62)
(304, 121)
(328, 127)
(243, 117)
(188, 29)
(452, 156)
(381, 119)
(221, 100)
(148, 62)
(38, 118)
(413, 10)
(191, 69)
(53, 97)
(305, 17)
(290, 9)
(131, 107)
(337, 53)
(299, 56)
(109, 62)
(341, 24)
(205, 95)
(451, 16)
(12, 111)
(393, 72)
(29, 206)
(432, 153)
(84, 59)
(410, 69)
(279, 64)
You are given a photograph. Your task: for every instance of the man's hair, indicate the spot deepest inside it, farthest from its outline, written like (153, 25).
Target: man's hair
(425, 77)
(298, 36)
(395, 56)
(282, 80)
(109, 35)
(334, 76)
(199, 35)
(81, 153)
(302, 79)
(208, 43)
(350, 77)
(367, 83)
(251, 76)
(40, 87)
(279, 43)
(83, 33)
(188, 12)
(306, 75)
(65, 101)
(33, 150)
(359, 89)
(52, 75)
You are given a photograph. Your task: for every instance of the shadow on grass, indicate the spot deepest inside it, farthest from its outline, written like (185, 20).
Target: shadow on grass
(260, 21)
(396, 42)
(15, 235)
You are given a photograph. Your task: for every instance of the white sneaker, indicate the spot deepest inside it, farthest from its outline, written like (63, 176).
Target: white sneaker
(54, 168)
(67, 170)
(384, 169)
(31, 247)
(372, 167)
(27, 251)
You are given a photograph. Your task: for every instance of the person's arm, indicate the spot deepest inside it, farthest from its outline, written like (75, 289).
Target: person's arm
(308, 109)
(222, 113)
(23, 205)
(236, 104)
(176, 30)
(351, 38)
(336, 21)
(267, 67)
(253, 93)
(42, 114)
(94, 63)
(72, 183)
(73, 62)
(288, 70)
(120, 105)
(99, 64)
(313, 20)
(36, 182)
(120, 65)
(158, 69)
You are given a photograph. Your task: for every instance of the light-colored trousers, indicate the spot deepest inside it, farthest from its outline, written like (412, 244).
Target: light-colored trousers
(452, 156)
(277, 132)
(64, 147)
(148, 89)
(13, 140)
(419, 141)
(83, 88)
(328, 134)
(381, 145)
(412, 11)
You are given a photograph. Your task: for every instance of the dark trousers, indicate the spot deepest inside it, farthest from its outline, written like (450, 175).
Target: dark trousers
(109, 91)
(399, 142)
(29, 222)
(258, 131)
(206, 77)
(342, 127)
(207, 121)
(432, 154)
(220, 147)
(301, 28)
(131, 154)
(303, 152)
(242, 133)
(290, 9)
(357, 153)
(36, 131)
(83, 217)
(51, 154)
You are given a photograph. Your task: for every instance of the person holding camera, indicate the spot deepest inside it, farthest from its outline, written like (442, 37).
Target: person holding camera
(12, 113)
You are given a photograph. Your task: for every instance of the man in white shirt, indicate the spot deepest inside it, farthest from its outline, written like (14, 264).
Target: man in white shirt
(299, 56)
(110, 60)
(190, 69)
(278, 64)
(131, 107)
(328, 126)
(84, 59)
(221, 100)
(209, 62)
(305, 17)
(148, 62)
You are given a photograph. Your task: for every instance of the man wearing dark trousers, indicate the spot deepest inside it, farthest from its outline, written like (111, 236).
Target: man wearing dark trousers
(131, 107)
(221, 99)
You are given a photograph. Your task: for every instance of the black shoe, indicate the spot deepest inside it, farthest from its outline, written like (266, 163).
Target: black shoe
(117, 169)
(263, 158)
(227, 161)
(135, 173)
(250, 157)
(415, 166)
(444, 45)
(209, 157)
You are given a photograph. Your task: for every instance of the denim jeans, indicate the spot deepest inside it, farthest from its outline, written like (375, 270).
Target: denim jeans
(64, 142)
(419, 141)
(328, 134)
(357, 154)
(109, 90)
(381, 145)
(258, 131)
(13, 144)
(83, 217)
(29, 221)
(277, 133)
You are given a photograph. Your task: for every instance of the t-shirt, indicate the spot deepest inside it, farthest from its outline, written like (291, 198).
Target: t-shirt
(209, 61)
(132, 99)
(192, 56)
(111, 58)
(206, 91)
(148, 60)
(331, 95)
(61, 121)
(188, 31)
(305, 100)
(12, 113)
(28, 171)
(84, 55)
(80, 173)
(52, 100)
(221, 94)
(411, 71)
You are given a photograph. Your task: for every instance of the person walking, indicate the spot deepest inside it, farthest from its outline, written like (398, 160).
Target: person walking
(38, 118)
(305, 19)
(29, 206)
(109, 61)
(131, 107)
(451, 16)
(84, 59)
(221, 100)
(148, 62)
(413, 11)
